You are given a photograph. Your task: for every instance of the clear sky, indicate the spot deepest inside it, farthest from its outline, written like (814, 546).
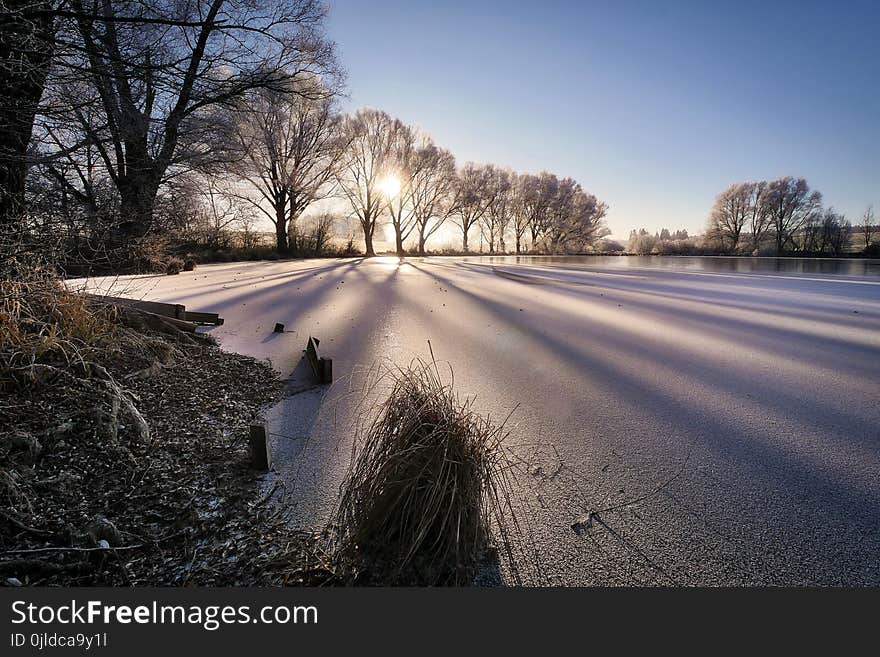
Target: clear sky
(653, 106)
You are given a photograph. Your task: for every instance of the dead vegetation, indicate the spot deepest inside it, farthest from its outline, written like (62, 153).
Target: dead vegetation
(123, 454)
(424, 490)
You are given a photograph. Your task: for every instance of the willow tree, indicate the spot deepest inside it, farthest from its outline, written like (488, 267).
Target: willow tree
(434, 191)
(369, 135)
(474, 194)
(402, 170)
(496, 218)
(287, 147)
(790, 205)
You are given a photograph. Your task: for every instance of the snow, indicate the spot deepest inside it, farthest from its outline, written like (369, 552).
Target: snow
(743, 407)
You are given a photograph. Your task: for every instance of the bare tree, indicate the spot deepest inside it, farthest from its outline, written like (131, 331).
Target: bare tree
(729, 215)
(836, 232)
(287, 147)
(496, 218)
(369, 136)
(867, 226)
(159, 66)
(313, 236)
(403, 170)
(475, 194)
(790, 204)
(759, 216)
(434, 191)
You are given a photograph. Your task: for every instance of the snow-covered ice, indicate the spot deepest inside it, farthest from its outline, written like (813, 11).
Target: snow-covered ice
(727, 425)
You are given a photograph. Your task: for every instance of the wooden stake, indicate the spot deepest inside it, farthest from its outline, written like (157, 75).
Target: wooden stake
(322, 368)
(261, 454)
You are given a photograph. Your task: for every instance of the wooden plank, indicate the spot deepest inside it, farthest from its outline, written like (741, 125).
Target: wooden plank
(172, 310)
(261, 453)
(175, 310)
(322, 368)
(203, 318)
(150, 319)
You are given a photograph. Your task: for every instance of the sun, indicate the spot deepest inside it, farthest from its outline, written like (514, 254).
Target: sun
(390, 186)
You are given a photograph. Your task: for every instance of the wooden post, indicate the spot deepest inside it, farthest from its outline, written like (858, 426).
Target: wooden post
(322, 368)
(261, 454)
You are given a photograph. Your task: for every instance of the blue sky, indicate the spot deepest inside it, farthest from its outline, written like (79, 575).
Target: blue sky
(653, 106)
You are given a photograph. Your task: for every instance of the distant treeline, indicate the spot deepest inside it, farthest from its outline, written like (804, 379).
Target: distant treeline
(782, 217)
(777, 217)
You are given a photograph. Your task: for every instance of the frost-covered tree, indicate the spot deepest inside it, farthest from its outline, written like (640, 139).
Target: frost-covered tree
(729, 215)
(370, 136)
(474, 193)
(869, 229)
(434, 191)
(495, 220)
(158, 68)
(287, 147)
(790, 205)
(524, 197)
(547, 189)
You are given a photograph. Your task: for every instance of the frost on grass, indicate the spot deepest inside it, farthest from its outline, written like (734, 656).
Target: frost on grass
(425, 488)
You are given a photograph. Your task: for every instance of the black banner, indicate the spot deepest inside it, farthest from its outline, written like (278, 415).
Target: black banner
(296, 621)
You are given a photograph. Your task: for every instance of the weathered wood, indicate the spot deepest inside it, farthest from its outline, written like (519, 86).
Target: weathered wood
(174, 310)
(279, 328)
(138, 318)
(169, 310)
(203, 318)
(261, 453)
(322, 368)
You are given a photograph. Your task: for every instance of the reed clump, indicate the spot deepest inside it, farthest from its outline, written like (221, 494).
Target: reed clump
(424, 488)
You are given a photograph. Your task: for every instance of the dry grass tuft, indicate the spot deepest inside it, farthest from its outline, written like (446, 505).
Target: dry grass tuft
(42, 321)
(419, 499)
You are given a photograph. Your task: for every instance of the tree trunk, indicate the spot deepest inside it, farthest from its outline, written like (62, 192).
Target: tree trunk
(25, 56)
(464, 240)
(421, 244)
(281, 243)
(517, 244)
(137, 198)
(398, 238)
(368, 243)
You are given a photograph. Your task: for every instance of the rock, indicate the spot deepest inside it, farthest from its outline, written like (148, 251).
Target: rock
(12, 581)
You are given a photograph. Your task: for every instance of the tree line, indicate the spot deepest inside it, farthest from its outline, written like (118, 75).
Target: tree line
(538, 212)
(129, 122)
(779, 217)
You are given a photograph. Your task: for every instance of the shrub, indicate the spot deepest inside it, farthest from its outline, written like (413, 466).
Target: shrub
(173, 265)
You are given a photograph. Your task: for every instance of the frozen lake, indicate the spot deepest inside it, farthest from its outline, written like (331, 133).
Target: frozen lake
(835, 266)
(722, 417)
